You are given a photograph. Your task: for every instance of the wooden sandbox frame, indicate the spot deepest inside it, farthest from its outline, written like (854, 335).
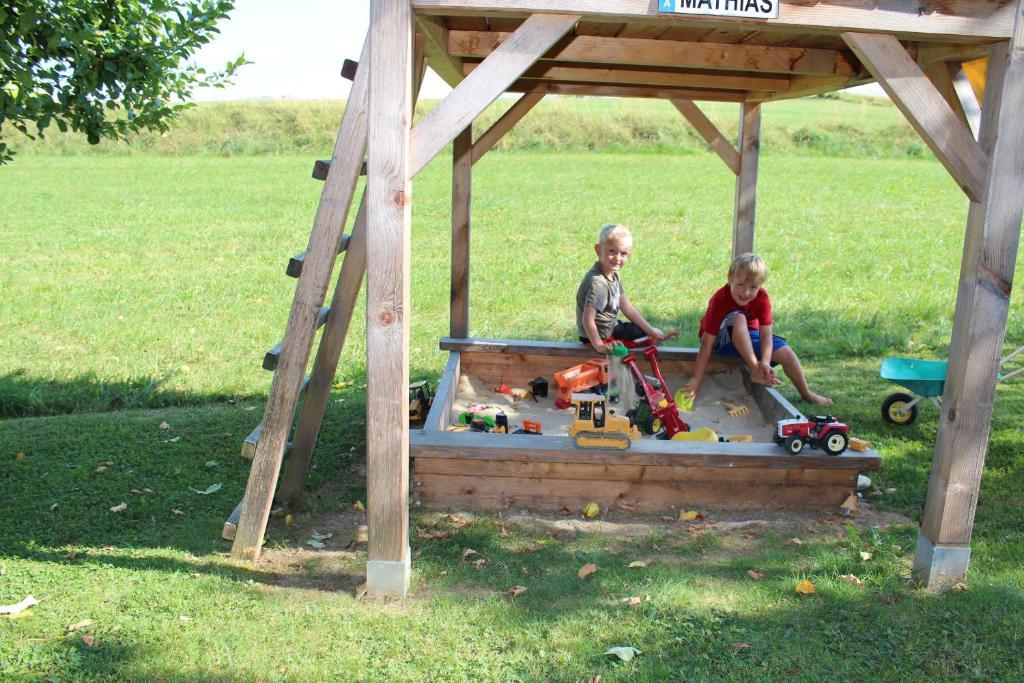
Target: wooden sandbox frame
(471, 470)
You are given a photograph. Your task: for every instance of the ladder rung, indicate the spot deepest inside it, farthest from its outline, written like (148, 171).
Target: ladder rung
(296, 262)
(271, 357)
(322, 166)
(348, 69)
(251, 441)
(231, 524)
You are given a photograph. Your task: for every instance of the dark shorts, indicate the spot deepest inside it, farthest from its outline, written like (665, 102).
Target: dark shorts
(623, 332)
(725, 347)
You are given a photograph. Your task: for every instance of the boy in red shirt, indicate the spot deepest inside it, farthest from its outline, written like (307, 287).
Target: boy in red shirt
(738, 318)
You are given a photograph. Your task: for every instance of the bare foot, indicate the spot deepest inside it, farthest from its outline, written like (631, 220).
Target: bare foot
(818, 399)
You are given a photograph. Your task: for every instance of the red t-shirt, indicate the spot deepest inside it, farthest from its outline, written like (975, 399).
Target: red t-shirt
(758, 311)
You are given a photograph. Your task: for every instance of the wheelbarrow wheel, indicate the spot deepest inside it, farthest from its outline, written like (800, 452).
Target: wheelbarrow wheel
(894, 409)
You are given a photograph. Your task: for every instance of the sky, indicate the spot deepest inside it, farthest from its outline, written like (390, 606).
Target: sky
(297, 49)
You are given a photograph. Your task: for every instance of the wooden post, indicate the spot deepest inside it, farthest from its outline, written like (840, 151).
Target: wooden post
(462, 179)
(746, 181)
(979, 325)
(389, 204)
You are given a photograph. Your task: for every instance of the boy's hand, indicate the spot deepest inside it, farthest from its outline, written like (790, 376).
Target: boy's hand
(764, 374)
(692, 387)
(657, 336)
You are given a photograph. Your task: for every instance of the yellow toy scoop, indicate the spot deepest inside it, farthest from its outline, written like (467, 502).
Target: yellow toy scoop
(702, 434)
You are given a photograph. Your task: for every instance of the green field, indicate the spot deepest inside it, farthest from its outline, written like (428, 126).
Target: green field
(142, 288)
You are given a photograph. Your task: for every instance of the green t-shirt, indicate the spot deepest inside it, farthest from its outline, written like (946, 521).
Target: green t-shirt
(603, 294)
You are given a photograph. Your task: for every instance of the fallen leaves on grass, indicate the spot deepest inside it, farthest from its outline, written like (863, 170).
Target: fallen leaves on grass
(640, 564)
(625, 653)
(564, 511)
(119, 508)
(54, 507)
(626, 505)
(288, 519)
(135, 492)
(515, 591)
(805, 587)
(479, 564)
(164, 425)
(319, 536)
(503, 530)
(866, 556)
(468, 552)
(358, 505)
(317, 545)
(755, 575)
(19, 456)
(81, 624)
(100, 468)
(19, 607)
(362, 534)
(361, 591)
(852, 580)
(212, 488)
(176, 512)
(458, 521)
(689, 515)
(587, 570)
(435, 535)
(631, 601)
(961, 586)
(89, 641)
(740, 646)
(795, 541)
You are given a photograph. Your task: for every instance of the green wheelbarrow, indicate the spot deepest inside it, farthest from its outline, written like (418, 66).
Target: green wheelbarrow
(923, 379)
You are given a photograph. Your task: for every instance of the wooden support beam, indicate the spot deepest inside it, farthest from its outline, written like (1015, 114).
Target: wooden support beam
(912, 93)
(253, 438)
(957, 22)
(435, 47)
(504, 124)
(310, 292)
(462, 193)
(295, 263)
(637, 52)
(552, 71)
(979, 325)
(942, 75)
(484, 85)
(528, 86)
(804, 86)
(271, 357)
(709, 131)
(343, 302)
(388, 231)
(746, 179)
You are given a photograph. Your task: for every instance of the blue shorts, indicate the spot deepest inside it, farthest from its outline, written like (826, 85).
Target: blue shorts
(725, 347)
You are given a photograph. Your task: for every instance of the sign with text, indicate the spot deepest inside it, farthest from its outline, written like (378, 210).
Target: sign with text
(750, 9)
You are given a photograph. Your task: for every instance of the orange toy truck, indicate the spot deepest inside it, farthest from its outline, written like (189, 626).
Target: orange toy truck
(579, 378)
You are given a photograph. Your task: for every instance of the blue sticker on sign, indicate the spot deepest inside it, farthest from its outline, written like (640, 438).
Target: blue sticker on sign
(667, 6)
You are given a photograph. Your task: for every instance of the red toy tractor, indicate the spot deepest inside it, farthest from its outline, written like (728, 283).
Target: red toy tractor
(820, 431)
(663, 406)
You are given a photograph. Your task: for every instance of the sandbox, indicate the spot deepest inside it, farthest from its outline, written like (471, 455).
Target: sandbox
(479, 470)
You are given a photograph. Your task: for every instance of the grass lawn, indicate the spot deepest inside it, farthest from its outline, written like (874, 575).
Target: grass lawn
(138, 291)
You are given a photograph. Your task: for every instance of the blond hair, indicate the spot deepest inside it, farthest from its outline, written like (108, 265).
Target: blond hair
(749, 267)
(614, 232)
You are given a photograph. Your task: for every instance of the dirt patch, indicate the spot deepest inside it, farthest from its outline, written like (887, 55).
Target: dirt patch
(340, 566)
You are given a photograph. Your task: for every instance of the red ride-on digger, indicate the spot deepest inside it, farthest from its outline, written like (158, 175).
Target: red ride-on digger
(663, 406)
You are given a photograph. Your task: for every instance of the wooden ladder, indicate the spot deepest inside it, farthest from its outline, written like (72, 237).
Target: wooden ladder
(267, 444)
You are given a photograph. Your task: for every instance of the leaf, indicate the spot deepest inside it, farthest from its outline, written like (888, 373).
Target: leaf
(866, 556)
(796, 541)
(211, 463)
(19, 456)
(89, 641)
(479, 564)
(119, 508)
(361, 591)
(515, 591)
(81, 624)
(625, 653)
(564, 511)
(358, 505)
(135, 492)
(852, 580)
(755, 575)
(805, 587)
(631, 602)
(212, 488)
(315, 543)
(458, 521)
(289, 518)
(19, 606)
(587, 570)
(639, 564)
(176, 512)
(467, 552)
(688, 515)
(101, 468)
(54, 507)
(320, 537)
(164, 425)
(740, 646)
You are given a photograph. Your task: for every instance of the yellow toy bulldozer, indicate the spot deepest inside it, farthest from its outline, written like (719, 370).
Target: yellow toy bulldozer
(597, 427)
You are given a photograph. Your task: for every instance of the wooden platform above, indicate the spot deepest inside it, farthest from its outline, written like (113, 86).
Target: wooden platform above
(628, 48)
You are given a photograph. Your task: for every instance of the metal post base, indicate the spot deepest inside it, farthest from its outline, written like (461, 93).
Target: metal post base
(939, 567)
(385, 577)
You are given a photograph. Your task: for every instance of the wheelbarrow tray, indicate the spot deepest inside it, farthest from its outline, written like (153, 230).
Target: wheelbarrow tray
(923, 377)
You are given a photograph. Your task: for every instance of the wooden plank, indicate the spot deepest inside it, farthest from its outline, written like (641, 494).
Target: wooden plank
(295, 263)
(444, 396)
(546, 87)
(545, 347)
(343, 302)
(462, 193)
(604, 74)
(958, 22)
(942, 75)
(527, 448)
(927, 112)
(435, 47)
(636, 52)
(227, 532)
(979, 323)
(310, 292)
(484, 85)
(388, 230)
(746, 179)
(750, 476)
(271, 357)
(709, 131)
(804, 86)
(504, 124)
(498, 493)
